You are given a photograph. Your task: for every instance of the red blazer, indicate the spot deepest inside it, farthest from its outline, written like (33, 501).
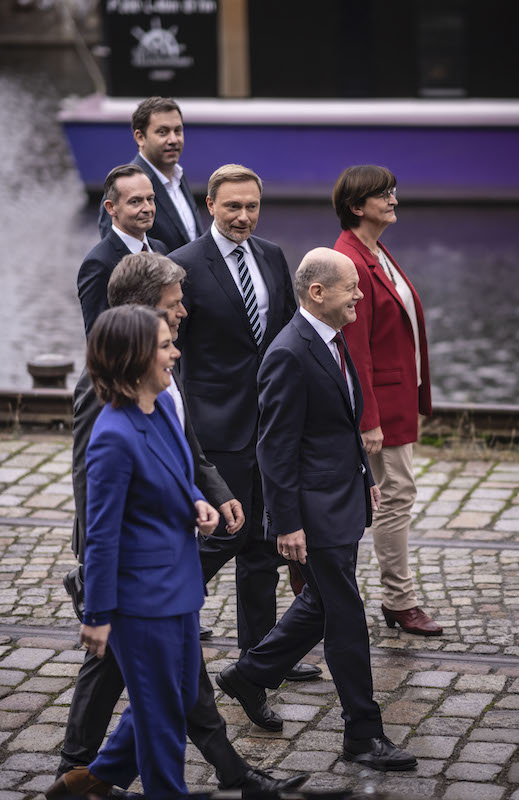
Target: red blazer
(381, 343)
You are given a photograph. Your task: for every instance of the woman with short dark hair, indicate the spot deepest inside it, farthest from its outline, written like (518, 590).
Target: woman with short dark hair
(143, 579)
(389, 348)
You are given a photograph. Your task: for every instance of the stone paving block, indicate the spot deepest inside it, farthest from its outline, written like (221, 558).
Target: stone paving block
(438, 678)
(10, 720)
(8, 795)
(59, 670)
(471, 704)
(388, 678)
(27, 657)
(289, 731)
(468, 790)
(433, 746)
(499, 719)
(51, 642)
(65, 698)
(510, 701)
(513, 772)
(32, 762)
(321, 740)
(419, 693)
(295, 697)
(9, 778)
(39, 783)
(465, 771)
(495, 735)
(309, 761)
(48, 685)
(490, 683)
(402, 711)
(487, 753)
(11, 677)
(11, 474)
(470, 519)
(38, 738)
(296, 712)
(409, 784)
(54, 714)
(23, 701)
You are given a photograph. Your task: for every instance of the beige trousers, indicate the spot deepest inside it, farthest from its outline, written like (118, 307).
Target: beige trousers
(392, 470)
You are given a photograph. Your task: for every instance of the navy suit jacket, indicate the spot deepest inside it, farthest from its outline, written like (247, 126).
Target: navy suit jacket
(168, 226)
(220, 358)
(314, 468)
(141, 550)
(95, 272)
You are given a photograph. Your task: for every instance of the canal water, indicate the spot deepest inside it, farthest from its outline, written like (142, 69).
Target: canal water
(464, 261)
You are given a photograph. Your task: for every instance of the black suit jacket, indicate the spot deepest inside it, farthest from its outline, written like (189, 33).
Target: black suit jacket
(168, 226)
(314, 468)
(86, 410)
(95, 271)
(220, 358)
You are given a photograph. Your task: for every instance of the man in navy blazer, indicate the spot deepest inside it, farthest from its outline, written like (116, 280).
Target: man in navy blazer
(318, 493)
(130, 204)
(158, 130)
(238, 294)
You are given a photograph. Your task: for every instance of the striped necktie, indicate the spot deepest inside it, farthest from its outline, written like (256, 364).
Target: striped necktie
(249, 295)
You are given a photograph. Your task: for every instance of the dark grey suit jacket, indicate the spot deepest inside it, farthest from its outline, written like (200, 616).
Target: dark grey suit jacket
(86, 409)
(168, 226)
(95, 271)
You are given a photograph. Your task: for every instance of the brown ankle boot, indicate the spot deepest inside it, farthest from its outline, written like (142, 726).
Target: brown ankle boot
(79, 781)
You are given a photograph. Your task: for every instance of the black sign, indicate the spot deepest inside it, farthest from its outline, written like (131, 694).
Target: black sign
(164, 47)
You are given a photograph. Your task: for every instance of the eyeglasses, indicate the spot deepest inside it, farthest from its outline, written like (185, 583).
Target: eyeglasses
(385, 195)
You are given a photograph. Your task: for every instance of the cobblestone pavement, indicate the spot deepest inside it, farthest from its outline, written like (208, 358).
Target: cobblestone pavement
(453, 700)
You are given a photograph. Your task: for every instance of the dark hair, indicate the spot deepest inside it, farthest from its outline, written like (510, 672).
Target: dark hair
(112, 193)
(152, 105)
(121, 347)
(354, 186)
(231, 172)
(141, 278)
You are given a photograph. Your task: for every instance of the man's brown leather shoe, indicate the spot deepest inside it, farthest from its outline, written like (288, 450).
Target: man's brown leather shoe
(412, 620)
(79, 781)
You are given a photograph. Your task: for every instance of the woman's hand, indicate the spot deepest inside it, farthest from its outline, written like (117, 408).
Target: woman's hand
(372, 440)
(207, 517)
(95, 638)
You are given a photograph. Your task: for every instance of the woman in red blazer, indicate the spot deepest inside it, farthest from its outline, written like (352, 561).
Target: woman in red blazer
(389, 348)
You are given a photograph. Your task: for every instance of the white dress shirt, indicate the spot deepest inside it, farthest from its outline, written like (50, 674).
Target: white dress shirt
(226, 248)
(174, 391)
(177, 197)
(134, 245)
(328, 334)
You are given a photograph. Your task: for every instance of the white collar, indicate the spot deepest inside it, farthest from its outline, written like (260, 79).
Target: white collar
(175, 178)
(326, 333)
(227, 246)
(134, 245)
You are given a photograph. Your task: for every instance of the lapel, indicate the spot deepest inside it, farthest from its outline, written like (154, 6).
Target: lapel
(186, 191)
(374, 264)
(117, 244)
(322, 355)
(220, 270)
(173, 463)
(162, 198)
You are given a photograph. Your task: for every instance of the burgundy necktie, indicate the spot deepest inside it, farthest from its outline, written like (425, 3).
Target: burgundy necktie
(145, 248)
(340, 344)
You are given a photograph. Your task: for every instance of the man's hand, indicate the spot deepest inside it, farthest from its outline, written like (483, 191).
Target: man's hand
(372, 440)
(375, 497)
(233, 515)
(95, 638)
(292, 546)
(207, 517)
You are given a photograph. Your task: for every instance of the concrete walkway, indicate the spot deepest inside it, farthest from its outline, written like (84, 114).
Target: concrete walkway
(453, 701)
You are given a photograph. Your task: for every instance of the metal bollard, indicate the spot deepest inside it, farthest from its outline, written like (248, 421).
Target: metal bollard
(49, 371)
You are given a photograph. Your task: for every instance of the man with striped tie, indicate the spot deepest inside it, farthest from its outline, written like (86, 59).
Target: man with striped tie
(238, 294)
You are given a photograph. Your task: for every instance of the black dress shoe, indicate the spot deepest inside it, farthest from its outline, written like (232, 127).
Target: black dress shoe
(303, 672)
(75, 587)
(205, 633)
(256, 780)
(378, 753)
(252, 698)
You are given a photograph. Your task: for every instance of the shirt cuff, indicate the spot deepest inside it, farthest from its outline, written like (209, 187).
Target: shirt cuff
(96, 618)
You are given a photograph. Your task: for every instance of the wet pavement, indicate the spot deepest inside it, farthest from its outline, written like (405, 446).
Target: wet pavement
(452, 700)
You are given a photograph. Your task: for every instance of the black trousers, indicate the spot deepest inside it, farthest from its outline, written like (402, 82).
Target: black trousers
(98, 688)
(329, 605)
(257, 559)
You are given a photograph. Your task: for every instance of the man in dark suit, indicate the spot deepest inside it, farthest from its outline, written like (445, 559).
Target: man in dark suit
(159, 133)
(130, 204)
(153, 280)
(238, 294)
(318, 497)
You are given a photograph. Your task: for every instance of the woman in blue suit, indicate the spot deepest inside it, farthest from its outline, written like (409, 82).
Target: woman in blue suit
(143, 580)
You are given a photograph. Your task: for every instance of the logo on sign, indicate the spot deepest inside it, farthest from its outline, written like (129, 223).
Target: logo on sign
(159, 47)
